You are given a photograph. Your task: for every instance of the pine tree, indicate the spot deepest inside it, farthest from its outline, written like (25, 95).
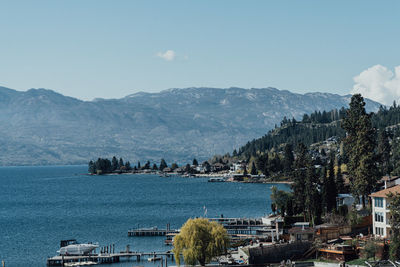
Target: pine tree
(195, 163)
(120, 163)
(253, 169)
(339, 179)
(360, 146)
(299, 174)
(114, 164)
(384, 152)
(331, 186)
(163, 165)
(138, 165)
(92, 168)
(128, 166)
(155, 167)
(288, 158)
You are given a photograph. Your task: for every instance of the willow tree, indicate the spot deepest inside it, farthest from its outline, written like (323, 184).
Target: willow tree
(199, 241)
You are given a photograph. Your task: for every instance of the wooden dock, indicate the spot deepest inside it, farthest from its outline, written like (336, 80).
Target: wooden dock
(104, 258)
(153, 231)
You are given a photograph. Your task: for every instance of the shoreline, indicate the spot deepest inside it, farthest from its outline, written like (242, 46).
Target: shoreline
(199, 175)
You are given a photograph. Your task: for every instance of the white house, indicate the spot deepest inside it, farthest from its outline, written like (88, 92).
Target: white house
(380, 211)
(344, 199)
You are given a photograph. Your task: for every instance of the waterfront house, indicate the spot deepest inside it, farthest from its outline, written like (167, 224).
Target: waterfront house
(301, 233)
(380, 211)
(389, 181)
(344, 200)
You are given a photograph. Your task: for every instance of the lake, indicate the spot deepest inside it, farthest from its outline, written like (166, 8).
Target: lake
(39, 206)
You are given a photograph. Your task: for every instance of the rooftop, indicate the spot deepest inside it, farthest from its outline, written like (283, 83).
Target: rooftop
(383, 193)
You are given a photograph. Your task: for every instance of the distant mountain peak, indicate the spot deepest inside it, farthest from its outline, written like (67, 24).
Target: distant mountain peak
(41, 126)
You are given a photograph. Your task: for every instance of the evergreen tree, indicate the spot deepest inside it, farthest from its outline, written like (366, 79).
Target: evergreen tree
(234, 154)
(384, 152)
(312, 198)
(138, 165)
(298, 176)
(121, 163)
(163, 165)
(288, 158)
(92, 168)
(360, 146)
(195, 163)
(155, 167)
(174, 166)
(188, 169)
(394, 249)
(147, 165)
(331, 186)
(245, 171)
(114, 164)
(339, 179)
(253, 169)
(128, 166)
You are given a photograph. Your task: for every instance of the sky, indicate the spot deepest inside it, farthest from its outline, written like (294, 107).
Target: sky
(109, 49)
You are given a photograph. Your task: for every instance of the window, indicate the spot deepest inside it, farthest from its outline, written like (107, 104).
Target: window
(379, 231)
(379, 216)
(379, 202)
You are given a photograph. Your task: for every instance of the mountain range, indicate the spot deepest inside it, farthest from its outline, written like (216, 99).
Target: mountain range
(42, 127)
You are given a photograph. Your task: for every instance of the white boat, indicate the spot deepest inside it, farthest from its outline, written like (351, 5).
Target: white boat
(154, 258)
(75, 249)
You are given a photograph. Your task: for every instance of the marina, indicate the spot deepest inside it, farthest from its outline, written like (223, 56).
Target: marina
(92, 259)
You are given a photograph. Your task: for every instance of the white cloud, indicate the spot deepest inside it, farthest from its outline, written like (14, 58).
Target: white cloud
(378, 83)
(168, 55)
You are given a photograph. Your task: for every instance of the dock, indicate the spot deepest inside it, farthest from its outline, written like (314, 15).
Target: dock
(104, 258)
(153, 231)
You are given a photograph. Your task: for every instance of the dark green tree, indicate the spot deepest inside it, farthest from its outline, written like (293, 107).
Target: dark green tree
(163, 165)
(253, 169)
(339, 179)
(331, 192)
(155, 167)
(195, 163)
(147, 165)
(298, 176)
(114, 164)
(394, 249)
(121, 163)
(288, 158)
(128, 166)
(174, 166)
(92, 168)
(360, 147)
(384, 152)
(138, 165)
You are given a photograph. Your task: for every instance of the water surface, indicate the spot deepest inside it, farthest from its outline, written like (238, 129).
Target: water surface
(39, 206)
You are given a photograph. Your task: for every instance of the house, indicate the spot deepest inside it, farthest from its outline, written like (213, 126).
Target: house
(390, 181)
(344, 200)
(380, 211)
(301, 234)
(329, 231)
(217, 167)
(236, 167)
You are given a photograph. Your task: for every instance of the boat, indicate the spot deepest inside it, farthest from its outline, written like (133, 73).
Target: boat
(71, 247)
(154, 258)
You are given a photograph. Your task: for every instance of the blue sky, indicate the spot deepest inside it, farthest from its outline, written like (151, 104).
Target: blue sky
(88, 49)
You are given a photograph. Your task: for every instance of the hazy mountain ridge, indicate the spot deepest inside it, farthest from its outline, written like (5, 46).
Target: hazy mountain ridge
(41, 126)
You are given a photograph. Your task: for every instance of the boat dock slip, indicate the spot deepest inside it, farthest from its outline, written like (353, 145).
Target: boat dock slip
(103, 258)
(154, 231)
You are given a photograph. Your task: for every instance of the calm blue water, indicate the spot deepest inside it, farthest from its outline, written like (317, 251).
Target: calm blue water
(39, 206)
